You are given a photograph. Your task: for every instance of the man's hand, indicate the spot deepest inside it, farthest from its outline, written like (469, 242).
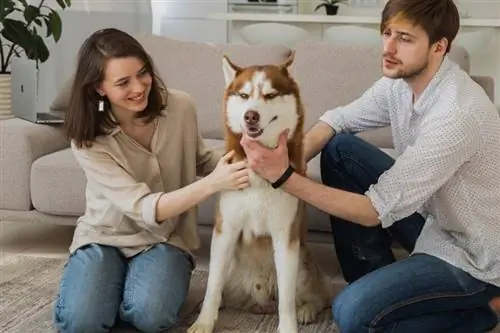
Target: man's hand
(270, 164)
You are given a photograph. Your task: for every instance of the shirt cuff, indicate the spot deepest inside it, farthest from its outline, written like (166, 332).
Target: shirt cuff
(148, 210)
(384, 209)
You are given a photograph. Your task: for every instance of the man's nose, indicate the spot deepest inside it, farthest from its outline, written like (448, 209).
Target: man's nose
(390, 45)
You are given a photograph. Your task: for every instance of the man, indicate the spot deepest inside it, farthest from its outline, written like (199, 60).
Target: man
(440, 198)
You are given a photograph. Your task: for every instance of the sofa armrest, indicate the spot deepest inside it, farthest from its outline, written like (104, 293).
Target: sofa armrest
(488, 84)
(21, 143)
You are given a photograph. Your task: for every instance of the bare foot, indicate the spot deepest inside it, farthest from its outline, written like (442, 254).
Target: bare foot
(495, 305)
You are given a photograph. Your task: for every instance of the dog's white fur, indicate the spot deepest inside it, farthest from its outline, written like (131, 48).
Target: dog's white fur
(253, 222)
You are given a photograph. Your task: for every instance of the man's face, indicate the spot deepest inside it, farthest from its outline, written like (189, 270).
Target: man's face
(406, 51)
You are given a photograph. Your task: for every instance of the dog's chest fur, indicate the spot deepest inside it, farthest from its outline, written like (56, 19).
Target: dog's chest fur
(259, 209)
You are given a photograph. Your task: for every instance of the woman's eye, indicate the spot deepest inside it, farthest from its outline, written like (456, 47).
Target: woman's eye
(244, 96)
(270, 96)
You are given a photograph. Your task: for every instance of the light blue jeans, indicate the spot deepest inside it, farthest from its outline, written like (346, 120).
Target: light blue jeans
(99, 286)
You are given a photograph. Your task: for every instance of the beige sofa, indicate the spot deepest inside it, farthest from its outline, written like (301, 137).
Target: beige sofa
(41, 181)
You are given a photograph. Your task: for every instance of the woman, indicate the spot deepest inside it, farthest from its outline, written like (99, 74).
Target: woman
(141, 151)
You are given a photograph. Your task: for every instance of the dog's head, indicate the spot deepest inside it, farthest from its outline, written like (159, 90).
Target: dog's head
(262, 101)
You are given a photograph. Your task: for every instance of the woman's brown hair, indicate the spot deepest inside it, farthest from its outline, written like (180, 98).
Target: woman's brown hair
(83, 121)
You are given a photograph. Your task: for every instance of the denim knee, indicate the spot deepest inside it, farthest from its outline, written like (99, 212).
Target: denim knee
(338, 143)
(90, 290)
(149, 317)
(83, 319)
(347, 312)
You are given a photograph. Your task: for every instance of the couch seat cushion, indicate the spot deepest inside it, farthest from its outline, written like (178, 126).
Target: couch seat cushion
(58, 184)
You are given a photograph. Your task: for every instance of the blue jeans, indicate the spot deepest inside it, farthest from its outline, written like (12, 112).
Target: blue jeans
(418, 294)
(100, 286)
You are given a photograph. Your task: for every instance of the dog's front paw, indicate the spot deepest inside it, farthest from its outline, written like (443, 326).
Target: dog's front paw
(199, 327)
(306, 313)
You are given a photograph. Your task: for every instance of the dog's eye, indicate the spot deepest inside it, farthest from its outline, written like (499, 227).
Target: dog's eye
(244, 96)
(270, 96)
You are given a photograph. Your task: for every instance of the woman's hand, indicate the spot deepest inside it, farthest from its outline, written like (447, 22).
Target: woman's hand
(229, 176)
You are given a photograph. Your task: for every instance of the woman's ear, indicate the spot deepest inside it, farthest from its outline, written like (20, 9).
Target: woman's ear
(99, 90)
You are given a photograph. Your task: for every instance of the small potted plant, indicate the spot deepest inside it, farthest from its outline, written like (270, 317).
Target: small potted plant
(23, 27)
(331, 6)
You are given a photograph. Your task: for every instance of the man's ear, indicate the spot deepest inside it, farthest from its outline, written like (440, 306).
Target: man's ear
(441, 45)
(230, 70)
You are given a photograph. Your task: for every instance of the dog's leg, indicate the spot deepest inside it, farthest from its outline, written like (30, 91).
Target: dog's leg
(286, 256)
(221, 252)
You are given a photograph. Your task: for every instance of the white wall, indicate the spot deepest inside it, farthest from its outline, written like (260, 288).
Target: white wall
(187, 20)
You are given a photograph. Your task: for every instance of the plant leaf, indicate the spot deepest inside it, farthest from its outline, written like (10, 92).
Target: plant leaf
(41, 50)
(16, 32)
(68, 3)
(49, 28)
(61, 3)
(55, 25)
(30, 13)
(319, 6)
(6, 7)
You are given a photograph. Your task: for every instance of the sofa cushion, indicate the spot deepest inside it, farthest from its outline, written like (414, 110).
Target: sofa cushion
(58, 184)
(331, 76)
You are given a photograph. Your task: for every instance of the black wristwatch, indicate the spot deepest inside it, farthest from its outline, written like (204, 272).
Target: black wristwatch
(284, 177)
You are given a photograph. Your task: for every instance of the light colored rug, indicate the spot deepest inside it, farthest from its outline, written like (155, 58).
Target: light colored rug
(28, 286)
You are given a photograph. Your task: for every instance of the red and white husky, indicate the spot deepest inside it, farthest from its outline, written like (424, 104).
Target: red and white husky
(259, 254)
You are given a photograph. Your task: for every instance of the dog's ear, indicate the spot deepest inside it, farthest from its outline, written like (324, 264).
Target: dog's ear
(288, 61)
(230, 70)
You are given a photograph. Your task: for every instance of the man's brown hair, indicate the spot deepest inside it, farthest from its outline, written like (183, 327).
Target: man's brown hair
(83, 121)
(438, 18)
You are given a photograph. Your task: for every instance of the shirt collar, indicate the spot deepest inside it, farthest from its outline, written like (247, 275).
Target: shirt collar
(117, 128)
(431, 92)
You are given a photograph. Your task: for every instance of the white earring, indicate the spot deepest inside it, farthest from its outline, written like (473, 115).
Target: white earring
(101, 105)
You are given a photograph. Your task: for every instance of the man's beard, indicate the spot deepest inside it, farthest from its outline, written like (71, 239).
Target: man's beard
(410, 73)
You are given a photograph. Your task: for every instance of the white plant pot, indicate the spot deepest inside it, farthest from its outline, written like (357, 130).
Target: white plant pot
(5, 97)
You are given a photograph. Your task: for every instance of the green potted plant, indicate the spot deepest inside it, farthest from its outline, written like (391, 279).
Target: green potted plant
(331, 6)
(23, 27)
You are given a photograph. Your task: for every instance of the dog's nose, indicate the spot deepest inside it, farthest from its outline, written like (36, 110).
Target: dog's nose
(252, 117)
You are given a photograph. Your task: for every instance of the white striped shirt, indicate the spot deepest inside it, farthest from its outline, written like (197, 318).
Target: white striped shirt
(448, 164)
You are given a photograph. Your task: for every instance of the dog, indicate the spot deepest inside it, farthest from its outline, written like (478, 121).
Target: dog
(259, 258)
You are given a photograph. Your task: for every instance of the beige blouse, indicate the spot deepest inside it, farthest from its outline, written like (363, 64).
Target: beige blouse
(125, 181)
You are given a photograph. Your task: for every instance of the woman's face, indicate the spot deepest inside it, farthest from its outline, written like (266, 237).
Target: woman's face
(126, 84)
